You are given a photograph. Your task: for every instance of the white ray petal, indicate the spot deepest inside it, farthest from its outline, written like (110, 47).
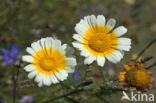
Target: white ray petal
(46, 81)
(100, 61)
(40, 83)
(77, 45)
(111, 23)
(93, 20)
(124, 47)
(59, 76)
(115, 56)
(124, 41)
(29, 68)
(89, 59)
(78, 38)
(119, 31)
(101, 20)
(71, 61)
(80, 29)
(112, 58)
(48, 43)
(32, 74)
(64, 73)
(36, 46)
(27, 58)
(57, 44)
(30, 51)
(64, 46)
(53, 79)
(69, 69)
(42, 43)
(85, 24)
(118, 55)
(85, 53)
(39, 77)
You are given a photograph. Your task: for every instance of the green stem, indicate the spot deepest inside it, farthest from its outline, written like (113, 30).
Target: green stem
(149, 45)
(15, 86)
(85, 74)
(64, 95)
(103, 76)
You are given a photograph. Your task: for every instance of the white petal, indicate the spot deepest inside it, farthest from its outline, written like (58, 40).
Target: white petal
(124, 47)
(40, 83)
(64, 73)
(77, 45)
(119, 31)
(100, 61)
(64, 46)
(87, 19)
(93, 20)
(78, 38)
(32, 74)
(71, 61)
(39, 77)
(118, 55)
(30, 51)
(59, 76)
(27, 58)
(53, 79)
(111, 58)
(46, 81)
(42, 42)
(89, 59)
(124, 41)
(69, 70)
(48, 43)
(115, 57)
(57, 44)
(101, 20)
(80, 29)
(111, 23)
(85, 53)
(36, 46)
(29, 68)
(84, 24)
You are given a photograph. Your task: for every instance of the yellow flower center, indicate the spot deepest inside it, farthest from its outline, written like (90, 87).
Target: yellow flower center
(99, 41)
(49, 61)
(139, 78)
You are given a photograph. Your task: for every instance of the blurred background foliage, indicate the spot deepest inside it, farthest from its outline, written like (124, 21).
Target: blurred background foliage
(25, 21)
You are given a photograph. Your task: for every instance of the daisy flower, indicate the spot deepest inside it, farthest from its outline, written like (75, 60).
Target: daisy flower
(97, 40)
(48, 61)
(136, 76)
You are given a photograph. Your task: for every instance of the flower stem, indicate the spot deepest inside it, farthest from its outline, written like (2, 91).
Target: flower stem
(150, 44)
(15, 86)
(103, 76)
(64, 95)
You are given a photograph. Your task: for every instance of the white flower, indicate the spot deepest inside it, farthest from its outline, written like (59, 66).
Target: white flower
(97, 40)
(48, 61)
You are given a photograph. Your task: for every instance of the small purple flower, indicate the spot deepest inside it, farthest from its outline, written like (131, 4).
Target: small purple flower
(1, 101)
(90, 9)
(27, 99)
(99, 10)
(76, 75)
(11, 55)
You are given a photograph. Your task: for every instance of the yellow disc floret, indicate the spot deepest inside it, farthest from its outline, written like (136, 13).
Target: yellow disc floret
(51, 63)
(137, 76)
(99, 41)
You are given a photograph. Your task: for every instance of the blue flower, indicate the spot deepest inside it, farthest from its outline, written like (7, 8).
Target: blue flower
(76, 75)
(1, 101)
(11, 55)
